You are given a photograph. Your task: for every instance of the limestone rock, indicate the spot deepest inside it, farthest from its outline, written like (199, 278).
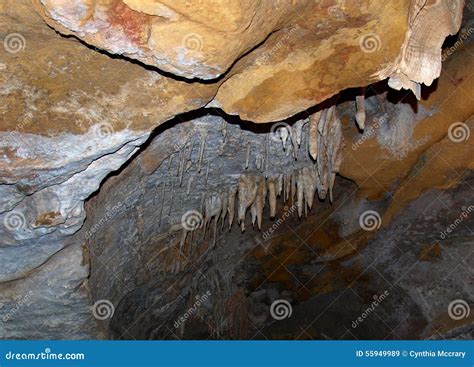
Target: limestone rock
(192, 39)
(70, 116)
(430, 22)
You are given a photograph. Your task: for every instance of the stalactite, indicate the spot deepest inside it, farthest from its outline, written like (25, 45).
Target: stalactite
(272, 194)
(310, 180)
(293, 188)
(162, 201)
(253, 214)
(246, 193)
(299, 183)
(171, 199)
(259, 202)
(247, 157)
(224, 201)
(213, 210)
(258, 161)
(201, 151)
(267, 152)
(313, 134)
(190, 182)
(287, 186)
(360, 111)
(231, 204)
(224, 130)
(189, 163)
(294, 144)
(323, 148)
(180, 162)
(298, 129)
(336, 151)
(329, 156)
(224, 137)
(283, 133)
(191, 147)
(300, 193)
(280, 184)
(183, 167)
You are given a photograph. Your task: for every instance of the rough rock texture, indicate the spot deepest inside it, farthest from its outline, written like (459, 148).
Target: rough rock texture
(420, 58)
(64, 129)
(450, 102)
(278, 57)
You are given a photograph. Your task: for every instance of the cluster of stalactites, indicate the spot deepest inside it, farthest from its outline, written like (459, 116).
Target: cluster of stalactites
(254, 190)
(325, 145)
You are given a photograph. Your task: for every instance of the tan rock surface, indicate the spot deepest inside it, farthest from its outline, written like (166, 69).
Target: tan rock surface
(452, 102)
(288, 55)
(282, 76)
